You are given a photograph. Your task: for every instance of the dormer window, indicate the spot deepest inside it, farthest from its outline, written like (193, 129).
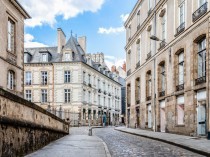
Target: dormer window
(67, 57)
(27, 57)
(44, 57)
(73, 56)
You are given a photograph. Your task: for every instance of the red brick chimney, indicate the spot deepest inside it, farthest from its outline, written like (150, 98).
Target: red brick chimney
(124, 66)
(113, 68)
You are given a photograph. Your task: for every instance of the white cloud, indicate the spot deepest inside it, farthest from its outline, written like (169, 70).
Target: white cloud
(124, 17)
(45, 11)
(111, 60)
(29, 42)
(110, 30)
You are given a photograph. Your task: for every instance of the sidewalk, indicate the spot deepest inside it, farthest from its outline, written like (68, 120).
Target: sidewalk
(197, 145)
(74, 146)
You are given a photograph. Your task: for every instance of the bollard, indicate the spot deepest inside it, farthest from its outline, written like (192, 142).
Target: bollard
(90, 132)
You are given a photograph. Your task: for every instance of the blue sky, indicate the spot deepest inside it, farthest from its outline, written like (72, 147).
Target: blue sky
(101, 21)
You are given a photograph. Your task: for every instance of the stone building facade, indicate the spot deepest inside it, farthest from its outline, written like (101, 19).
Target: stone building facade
(12, 16)
(168, 86)
(68, 82)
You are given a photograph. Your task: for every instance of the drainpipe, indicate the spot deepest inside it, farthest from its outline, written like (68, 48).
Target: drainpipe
(207, 92)
(155, 126)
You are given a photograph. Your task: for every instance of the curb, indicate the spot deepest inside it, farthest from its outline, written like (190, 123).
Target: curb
(106, 150)
(201, 152)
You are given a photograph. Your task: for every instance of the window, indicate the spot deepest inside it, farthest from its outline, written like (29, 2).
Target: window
(26, 58)
(11, 80)
(129, 59)
(104, 101)
(28, 95)
(44, 57)
(182, 12)
(181, 68)
(84, 80)
(150, 41)
(44, 95)
(44, 77)
(89, 78)
(84, 95)
(150, 4)
(73, 56)
(137, 90)
(163, 77)
(164, 27)
(89, 97)
(138, 18)
(99, 98)
(138, 47)
(67, 57)
(99, 86)
(180, 110)
(67, 77)
(129, 32)
(84, 114)
(28, 78)
(150, 85)
(202, 58)
(11, 36)
(67, 95)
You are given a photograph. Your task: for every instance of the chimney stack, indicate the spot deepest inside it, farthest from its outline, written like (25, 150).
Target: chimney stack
(82, 43)
(61, 39)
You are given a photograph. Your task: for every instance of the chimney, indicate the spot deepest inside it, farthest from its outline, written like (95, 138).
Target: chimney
(124, 66)
(113, 68)
(61, 39)
(82, 42)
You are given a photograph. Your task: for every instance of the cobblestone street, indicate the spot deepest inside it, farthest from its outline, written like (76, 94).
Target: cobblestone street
(126, 145)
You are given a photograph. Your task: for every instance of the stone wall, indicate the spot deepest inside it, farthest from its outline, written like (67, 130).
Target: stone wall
(26, 127)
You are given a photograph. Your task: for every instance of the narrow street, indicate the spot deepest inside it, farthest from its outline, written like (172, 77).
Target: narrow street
(126, 145)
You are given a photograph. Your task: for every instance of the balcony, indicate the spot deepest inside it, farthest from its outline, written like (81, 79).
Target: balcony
(201, 11)
(137, 101)
(99, 90)
(162, 45)
(180, 29)
(161, 94)
(128, 72)
(149, 55)
(89, 85)
(180, 87)
(149, 98)
(200, 80)
(138, 65)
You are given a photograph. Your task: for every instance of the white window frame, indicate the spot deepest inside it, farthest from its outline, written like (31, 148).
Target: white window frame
(182, 12)
(67, 95)
(67, 76)
(181, 68)
(11, 80)
(28, 95)
(202, 58)
(44, 96)
(11, 36)
(163, 27)
(44, 77)
(44, 57)
(28, 78)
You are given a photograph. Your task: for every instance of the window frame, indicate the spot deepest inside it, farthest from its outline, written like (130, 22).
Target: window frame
(44, 96)
(67, 76)
(28, 78)
(11, 35)
(28, 95)
(44, 75)
(67, 95)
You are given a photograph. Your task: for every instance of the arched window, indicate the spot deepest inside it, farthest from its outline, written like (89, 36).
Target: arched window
(11, 80)
(202, 58)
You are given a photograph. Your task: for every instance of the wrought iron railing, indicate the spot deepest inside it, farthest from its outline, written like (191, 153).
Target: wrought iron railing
(199, 12)
(138, 27)
(161, 94)
(180, 29)
(150, 11)
(149, 55)
(162, 44)
(128, 72)
(138, 65)
(149, 98)
(200, 80)
(180, 87)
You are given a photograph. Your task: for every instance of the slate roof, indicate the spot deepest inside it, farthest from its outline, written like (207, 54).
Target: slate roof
(71, 45)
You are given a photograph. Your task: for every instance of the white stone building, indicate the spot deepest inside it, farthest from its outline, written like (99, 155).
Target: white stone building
(66, 81)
